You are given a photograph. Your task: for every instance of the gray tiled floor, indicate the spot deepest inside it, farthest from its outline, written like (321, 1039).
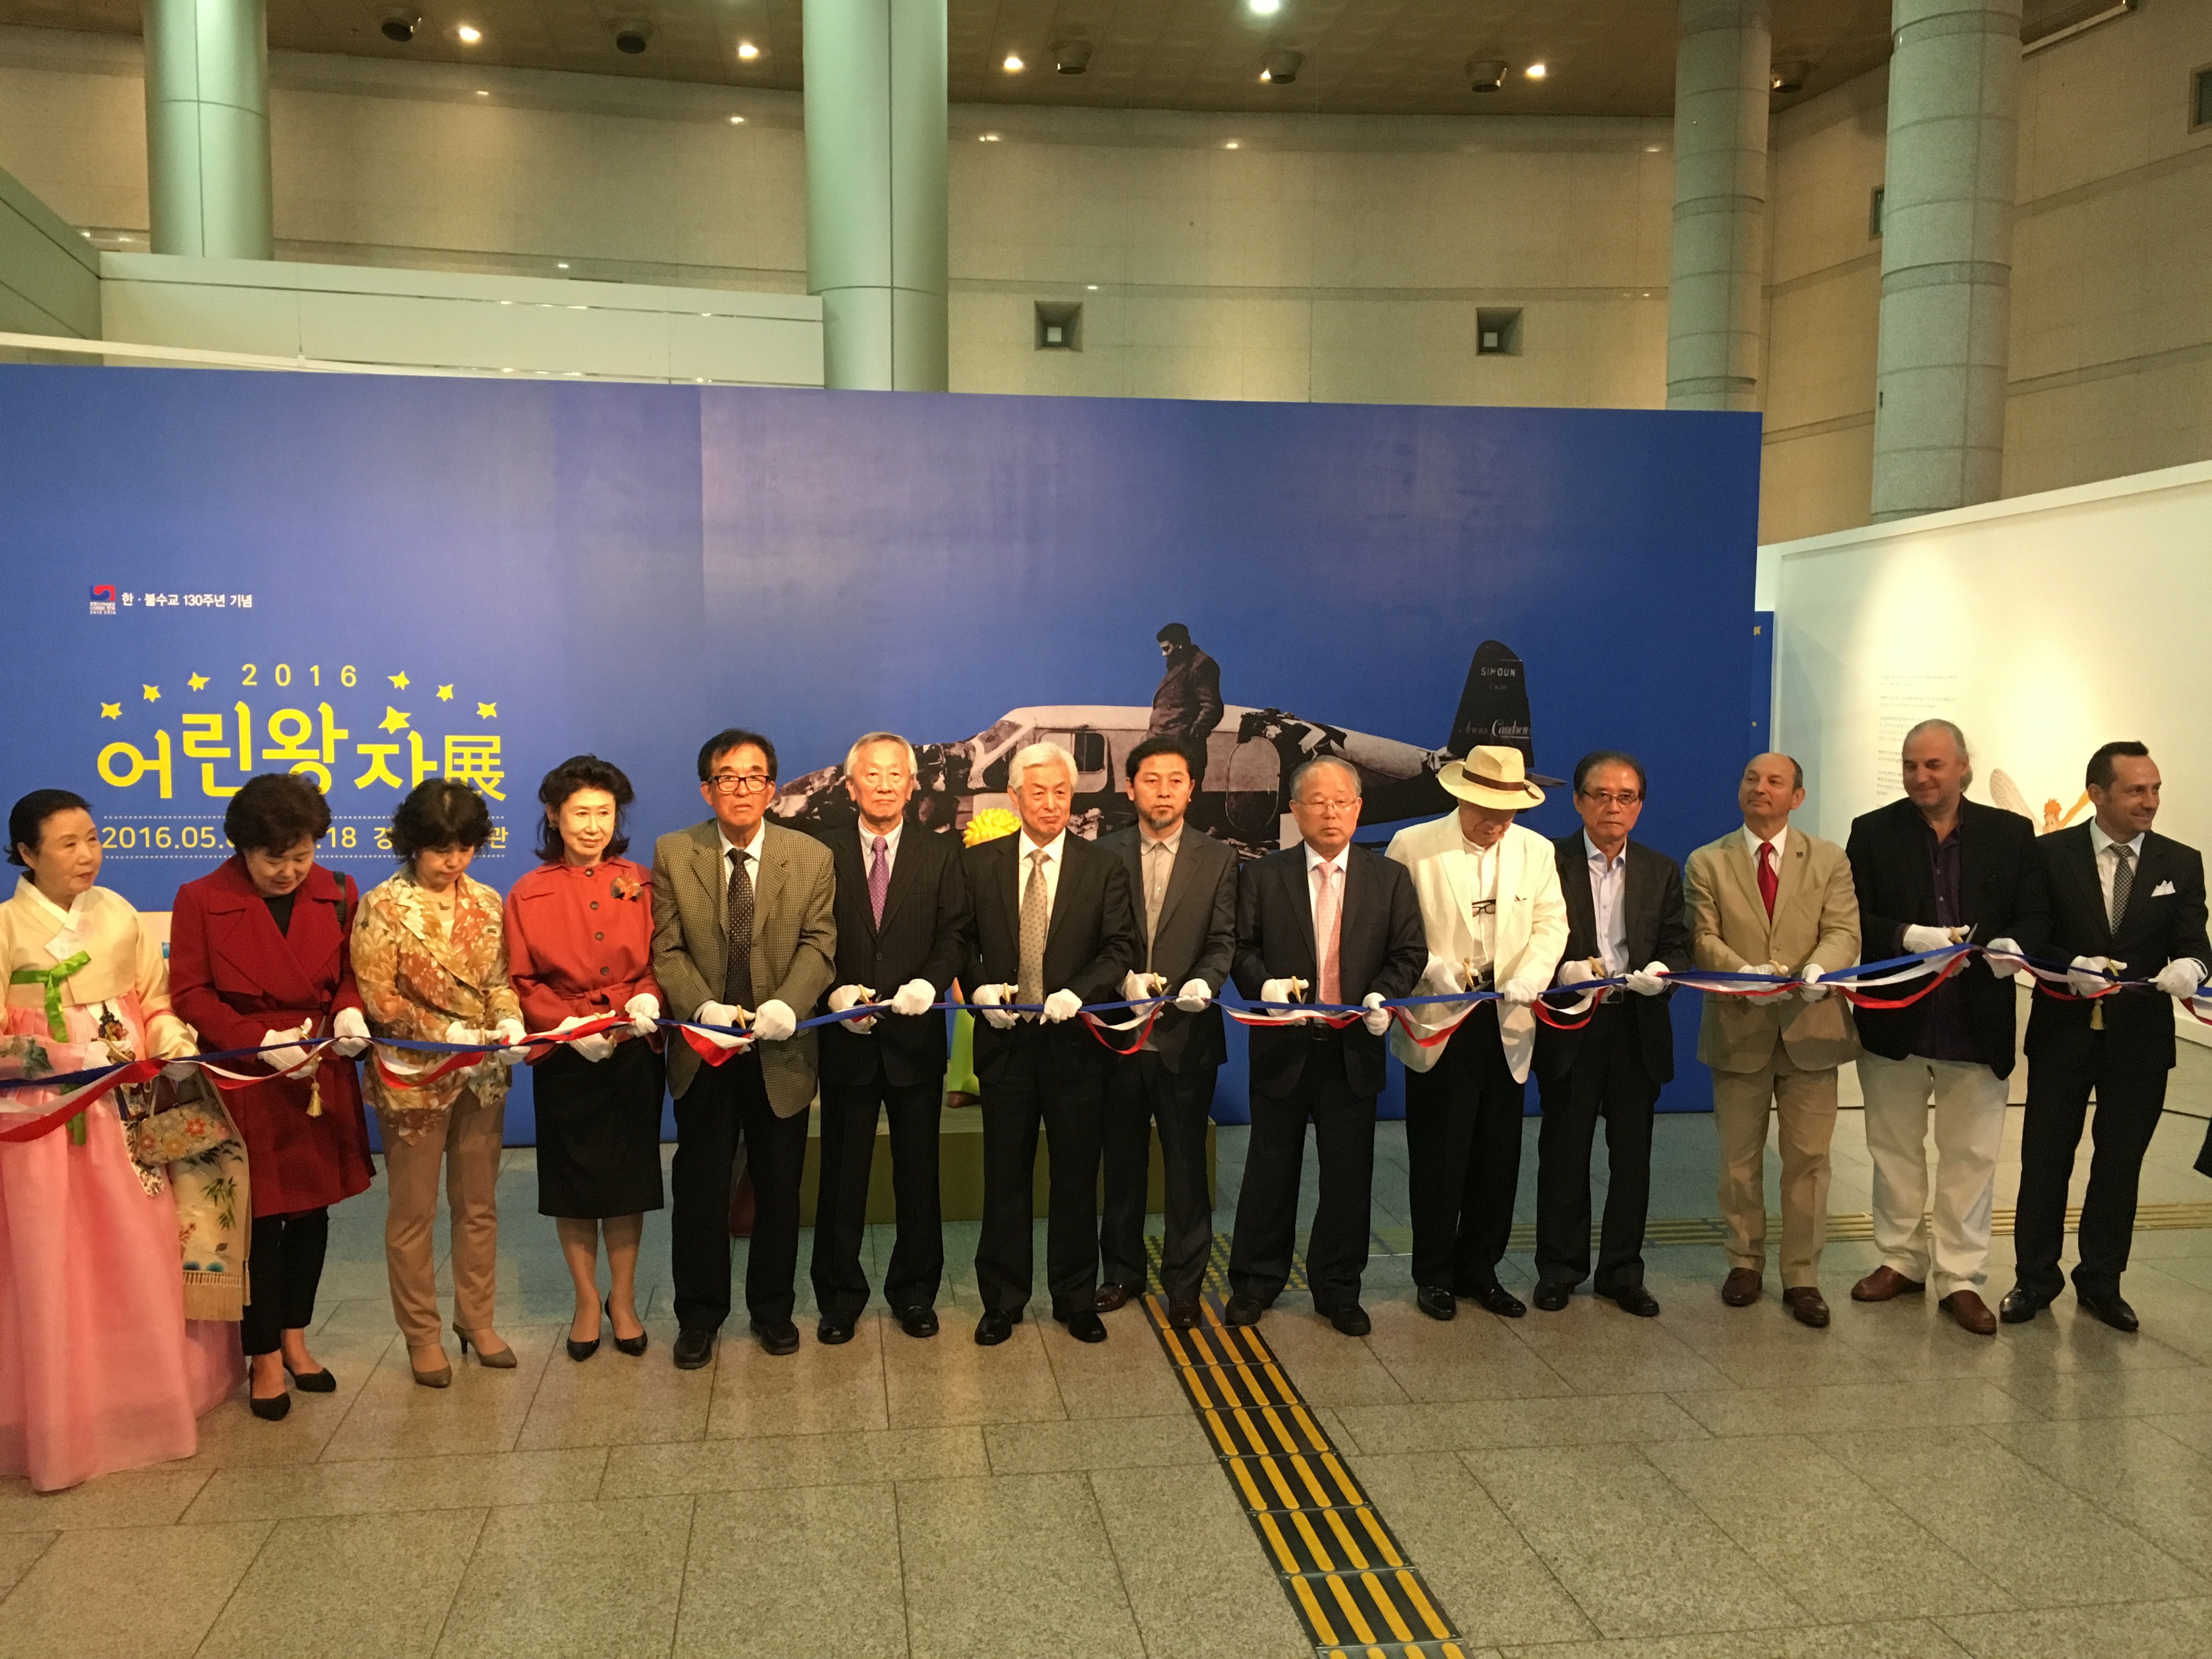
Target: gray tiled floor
(1715, 1484)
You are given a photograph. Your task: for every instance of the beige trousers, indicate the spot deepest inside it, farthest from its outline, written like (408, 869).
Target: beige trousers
(1803, 1105)
(469, 1141)
(1967, 1103)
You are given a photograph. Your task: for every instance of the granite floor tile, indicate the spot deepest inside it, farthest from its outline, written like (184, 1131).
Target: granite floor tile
(948, 1380)
(19, 1551)
(2145, 1630)
(1128, 1375)
(231, 1436)
(1838, 1407)
(811, 1573)
(2192, 1429)
(1475, 1356)
(483, 1410)
(1096, 1443)
(584, 1581)
(133, 1498)
(1472, 1425)
(614, 1398)
(818, 1390)
(378, 1486)
(1201, 1587)
(2132, 1471)
(343, 1585)
(2111, 1394)
(1883, 1639)
(136, 1593)
(1599, 1350)
(771, 1462)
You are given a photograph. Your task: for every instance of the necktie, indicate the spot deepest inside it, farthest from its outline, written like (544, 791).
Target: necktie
(1035, 924)
(737, 951)
(2123, 878)
(1327, 926)
(1156, 892)
(1768, 881)
(879, 877)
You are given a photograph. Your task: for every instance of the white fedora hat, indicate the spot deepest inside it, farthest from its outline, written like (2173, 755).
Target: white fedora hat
(1493, 777)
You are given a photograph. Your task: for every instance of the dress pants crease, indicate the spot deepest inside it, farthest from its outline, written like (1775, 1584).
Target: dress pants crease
(1607, 1079)
(1141, 1091)
(725, 1106)
(1463, 1157)
(849, 1114)
(1030, 1088)
(1275, 1154)
(2130, 1099)
(1803, 1106)
(468, 1141)
(1967, 1103)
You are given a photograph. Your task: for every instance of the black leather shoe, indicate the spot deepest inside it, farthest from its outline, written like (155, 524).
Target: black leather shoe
(694, 1349)
(2109, 1306)
(1435, 1300)
(1351, 1319)
(1244, 1310)
(1184, 1312)
(1085, 1326)
(918, 1321)
(313, 1382)
(992, 1328)
(831, 1329)
(1551, 1296)
(1112, 1299)
(2020, 1304)
(272, 1410)
(777, 1336)
(1501, 1301)
(1633, 1299)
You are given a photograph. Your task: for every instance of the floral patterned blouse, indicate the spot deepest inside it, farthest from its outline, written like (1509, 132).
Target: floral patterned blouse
(415, 980)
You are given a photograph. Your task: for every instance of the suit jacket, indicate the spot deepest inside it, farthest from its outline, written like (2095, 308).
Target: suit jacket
(1197, 938)
(1380, 946)
(794, 944)
(1531, 924)
(2158, 928)
(1816, 919)
(1658, 931)
(1092, 943)
(923, 936)
(2003, 891)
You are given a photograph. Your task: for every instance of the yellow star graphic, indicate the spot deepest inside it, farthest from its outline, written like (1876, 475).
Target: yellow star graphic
(110, 711)
(487, 711)
(198, 682)
(151, 693)
(398, 680)
(393, 720)
(445, 693)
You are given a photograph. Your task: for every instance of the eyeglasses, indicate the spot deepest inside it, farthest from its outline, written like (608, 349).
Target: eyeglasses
(742, 783)
(1609, 797)
(1328, 808)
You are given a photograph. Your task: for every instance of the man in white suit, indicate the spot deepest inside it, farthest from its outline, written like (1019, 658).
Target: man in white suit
(1491, 907)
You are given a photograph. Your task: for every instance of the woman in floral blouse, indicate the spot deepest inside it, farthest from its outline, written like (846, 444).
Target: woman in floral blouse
(429, 954)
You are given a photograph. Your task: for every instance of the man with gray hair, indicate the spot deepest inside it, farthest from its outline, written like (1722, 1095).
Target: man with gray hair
(1053, 926)
(1930, 869)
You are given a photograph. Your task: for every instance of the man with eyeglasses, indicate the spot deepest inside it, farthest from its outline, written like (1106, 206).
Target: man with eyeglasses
(743, 931)
(1624, 907)
(1322, 922)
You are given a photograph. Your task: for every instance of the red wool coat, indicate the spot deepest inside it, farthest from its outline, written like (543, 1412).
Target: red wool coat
(233, 976)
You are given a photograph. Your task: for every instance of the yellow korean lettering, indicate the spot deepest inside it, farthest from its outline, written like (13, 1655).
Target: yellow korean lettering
(116, 756)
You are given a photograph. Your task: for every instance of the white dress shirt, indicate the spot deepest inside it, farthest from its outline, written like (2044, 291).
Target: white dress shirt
(2108, 862)
(1780, 844)
(890, 848)
(1478, 875)
(1025, 867)
(1608, 879)
(751, 850)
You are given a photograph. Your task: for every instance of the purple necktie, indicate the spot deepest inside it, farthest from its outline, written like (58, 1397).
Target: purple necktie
(879, 877)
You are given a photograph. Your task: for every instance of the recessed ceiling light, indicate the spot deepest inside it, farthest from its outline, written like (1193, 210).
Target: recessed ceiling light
(481, 92)
(560, 265)
(1536, 72)
(1090, 288)
(737, 120)
(468, 35)
(1233, 143)
(748, 50)
(1652, 149)
(1265, 8)
(987, 138)
(1013, 64)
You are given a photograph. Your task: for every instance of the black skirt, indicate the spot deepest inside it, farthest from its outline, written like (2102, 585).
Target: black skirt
(598, 1133)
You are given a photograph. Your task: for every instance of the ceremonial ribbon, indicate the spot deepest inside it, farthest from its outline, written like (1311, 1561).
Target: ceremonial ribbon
(51, 978)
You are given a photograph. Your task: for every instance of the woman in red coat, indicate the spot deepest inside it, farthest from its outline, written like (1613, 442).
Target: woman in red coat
(259, 957)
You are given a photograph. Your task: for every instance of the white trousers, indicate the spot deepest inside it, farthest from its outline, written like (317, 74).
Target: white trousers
(1949, 1250)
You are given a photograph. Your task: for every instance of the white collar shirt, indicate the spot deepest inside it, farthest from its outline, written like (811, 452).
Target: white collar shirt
(1608, 879)
(891, 847)
(1055, 851)
(2108, 861)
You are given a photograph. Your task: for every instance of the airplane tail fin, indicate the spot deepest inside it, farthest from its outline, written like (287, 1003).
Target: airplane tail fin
(1493, 705)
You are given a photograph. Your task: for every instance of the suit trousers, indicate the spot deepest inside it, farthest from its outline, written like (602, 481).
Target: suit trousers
(283, 1270)
(1967, 1102)
(1463, 1158)
(1803, 1104)
(2131, 1095)
(468, 1139)
(1274, 1158)
(725, 1105)
(840, 1209)
(1027, 1090)
(1140, 1092)
(1607, 1079)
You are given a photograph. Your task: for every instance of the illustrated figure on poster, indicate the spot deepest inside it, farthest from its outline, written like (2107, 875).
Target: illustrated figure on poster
(1187, 703)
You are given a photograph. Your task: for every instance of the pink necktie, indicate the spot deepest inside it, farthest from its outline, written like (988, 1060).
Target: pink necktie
(1326, 929)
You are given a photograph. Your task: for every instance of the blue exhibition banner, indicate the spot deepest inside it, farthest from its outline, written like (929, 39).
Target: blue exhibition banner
(378, 579)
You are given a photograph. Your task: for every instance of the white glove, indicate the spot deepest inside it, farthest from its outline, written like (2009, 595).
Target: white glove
(1441, 978)
(914, 997)
(1280, 990)
(178, 1070)
(1194, 996)
(643, 1009)
(1577, 971)
(718, 1013)
(989, 997)
(1645, 982)
(2181, 978)
(1771, 970)
(1376, 1019)
(596, 1047)
(461, 1032)
(774, 1022)
(1809, 983)
(1518, 993)
(351, 1030)
(850, 996)
(283, 1055)
(1918, 939)
(2082, 977)
(1137, 987)
(510, 1032)
(1060, 1006)
(2002, 957)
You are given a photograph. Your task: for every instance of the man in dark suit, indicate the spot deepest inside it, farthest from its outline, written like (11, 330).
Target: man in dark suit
(1929, 869)
(2126, 900)
(1624, 907)
(901, 930)
(1184, 884)
(1345, 924)
(1053, 929)
(1187, 703)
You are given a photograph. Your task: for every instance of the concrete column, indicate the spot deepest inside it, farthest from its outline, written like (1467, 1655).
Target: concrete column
(207, 128)
(1947, 256)
(875, 190)
(1723, 68)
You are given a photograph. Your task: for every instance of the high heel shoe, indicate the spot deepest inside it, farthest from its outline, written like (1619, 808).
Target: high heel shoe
(319, 1382)
(632, 1345)
(579, 1351)
(441, 1378)
(503, 1360)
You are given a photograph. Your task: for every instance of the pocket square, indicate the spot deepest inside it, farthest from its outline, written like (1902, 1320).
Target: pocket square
(2164, 890)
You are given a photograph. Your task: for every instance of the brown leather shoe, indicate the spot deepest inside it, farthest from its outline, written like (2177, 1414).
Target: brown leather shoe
(1971, 1311)
(1741, 1288)
(1811, 1308)
(1184, 1312)
(1110, 1299)
(1884, 1284)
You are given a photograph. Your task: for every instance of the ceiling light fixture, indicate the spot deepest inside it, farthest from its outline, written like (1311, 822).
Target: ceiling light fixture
(1789, 77)
(1014, 65)
(737, 120)
(560, 265)
(748, 50)
(1536, 72)
(399, 27)
(1233, 143)
(1486, 73)
(1071, 57)
(987, 138)
(1265, 8)
(468, 35)
(1282, 67)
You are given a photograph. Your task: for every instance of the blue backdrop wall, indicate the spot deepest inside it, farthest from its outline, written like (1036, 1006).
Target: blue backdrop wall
(381, 579)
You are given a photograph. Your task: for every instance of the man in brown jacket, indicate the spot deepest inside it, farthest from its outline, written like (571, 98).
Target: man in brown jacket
(1766, 898)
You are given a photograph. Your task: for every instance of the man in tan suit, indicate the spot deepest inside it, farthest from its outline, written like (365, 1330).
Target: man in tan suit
(1766, 898)
(738, 881)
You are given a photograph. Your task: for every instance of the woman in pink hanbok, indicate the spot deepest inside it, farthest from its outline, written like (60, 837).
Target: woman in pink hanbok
(99, 1368)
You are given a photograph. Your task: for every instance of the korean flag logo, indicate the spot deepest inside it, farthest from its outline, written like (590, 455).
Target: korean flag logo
(103, 599)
